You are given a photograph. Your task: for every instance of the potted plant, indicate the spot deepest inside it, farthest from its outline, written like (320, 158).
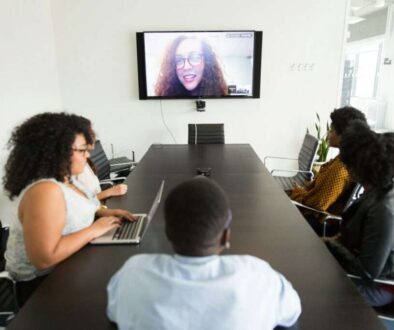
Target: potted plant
(322, 152)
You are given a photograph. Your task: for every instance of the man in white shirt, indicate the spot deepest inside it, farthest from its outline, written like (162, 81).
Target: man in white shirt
(197, 288)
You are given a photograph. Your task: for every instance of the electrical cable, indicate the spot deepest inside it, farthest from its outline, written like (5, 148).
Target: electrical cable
(165, 124)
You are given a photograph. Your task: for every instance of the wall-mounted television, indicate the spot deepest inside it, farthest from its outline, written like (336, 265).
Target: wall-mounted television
(199, 64)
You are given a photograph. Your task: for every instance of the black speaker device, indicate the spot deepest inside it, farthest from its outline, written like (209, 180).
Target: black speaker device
(200, 105)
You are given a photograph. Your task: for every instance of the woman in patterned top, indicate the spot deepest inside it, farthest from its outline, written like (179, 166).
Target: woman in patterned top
(331, 187)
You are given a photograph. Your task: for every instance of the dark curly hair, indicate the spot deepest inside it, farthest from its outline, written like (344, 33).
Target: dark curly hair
(368, 156)
(42, 148)
(340, 118)
(212, 83)
(196, 212)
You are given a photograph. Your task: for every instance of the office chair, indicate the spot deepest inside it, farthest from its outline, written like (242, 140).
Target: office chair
(206, 134)
(385, 312)
(305, 160)
(119, 163)
(354, 194)
(120, 167)
(8, 298)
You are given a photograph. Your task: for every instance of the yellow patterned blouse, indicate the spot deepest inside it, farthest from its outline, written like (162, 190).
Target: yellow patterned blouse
(328, 191)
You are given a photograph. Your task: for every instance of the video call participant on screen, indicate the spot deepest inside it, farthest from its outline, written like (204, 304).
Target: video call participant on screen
(190, 68)
(365, 245)
(332, 186)
(53, 215)
(196, 287)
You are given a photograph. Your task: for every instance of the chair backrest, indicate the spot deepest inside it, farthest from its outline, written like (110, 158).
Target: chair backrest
(307, 155)
(8, 297)
(4, 232)
(100, 161)
(206, 133)
(354, 194)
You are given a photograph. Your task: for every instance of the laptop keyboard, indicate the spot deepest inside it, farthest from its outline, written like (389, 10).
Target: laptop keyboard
(128, 229)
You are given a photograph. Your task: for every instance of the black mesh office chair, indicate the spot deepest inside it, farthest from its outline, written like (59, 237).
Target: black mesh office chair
(8, 298)
(120, 167)
(305, 160)
(206, 134)
(385, 312)
(354, 193)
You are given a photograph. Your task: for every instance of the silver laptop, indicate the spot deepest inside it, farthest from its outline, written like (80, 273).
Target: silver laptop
(131, 232)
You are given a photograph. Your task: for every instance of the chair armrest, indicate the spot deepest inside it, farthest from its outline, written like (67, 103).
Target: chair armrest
(6, 275)
(328, 216)
(120, 178)
(376, 280)
(112, 180)
(113, 154)
(309, 208)
(293, 171)
(333, 217)
(116, 171)
(123, 164)
(274, 157)
(106, 182)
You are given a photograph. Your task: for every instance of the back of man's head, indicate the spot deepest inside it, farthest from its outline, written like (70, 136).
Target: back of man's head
(196, 214)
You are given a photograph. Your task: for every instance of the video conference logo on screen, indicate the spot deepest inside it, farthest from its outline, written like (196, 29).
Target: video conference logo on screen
(199, 64)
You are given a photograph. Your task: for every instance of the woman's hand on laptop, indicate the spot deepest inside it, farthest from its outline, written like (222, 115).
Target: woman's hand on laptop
(123, 214)
(104, 224)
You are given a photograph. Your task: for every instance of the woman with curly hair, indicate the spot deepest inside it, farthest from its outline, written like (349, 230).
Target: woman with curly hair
(190, 68)
(54, 214)
(365, 245)
(332, 186)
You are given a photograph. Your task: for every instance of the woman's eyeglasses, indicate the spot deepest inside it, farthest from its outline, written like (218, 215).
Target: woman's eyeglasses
(82, 151)
(194, 59)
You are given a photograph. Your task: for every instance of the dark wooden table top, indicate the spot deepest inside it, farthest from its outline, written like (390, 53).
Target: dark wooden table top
(265, 224)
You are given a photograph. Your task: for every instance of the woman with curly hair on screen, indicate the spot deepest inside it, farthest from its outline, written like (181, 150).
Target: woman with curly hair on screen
(365, 245)
(53, 214)
(190, 68)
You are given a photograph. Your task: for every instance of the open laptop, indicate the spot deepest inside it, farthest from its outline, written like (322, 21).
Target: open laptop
(131, 232)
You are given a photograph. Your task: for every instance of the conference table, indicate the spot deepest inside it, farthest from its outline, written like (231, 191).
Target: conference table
(265, 224)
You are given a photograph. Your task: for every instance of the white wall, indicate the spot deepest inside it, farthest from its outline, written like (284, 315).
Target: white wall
(96, 53)
(387, 71)
(28, 69)
(28, 78)
(81, 56)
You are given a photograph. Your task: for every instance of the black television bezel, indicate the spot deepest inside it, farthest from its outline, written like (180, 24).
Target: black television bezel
(257, 57)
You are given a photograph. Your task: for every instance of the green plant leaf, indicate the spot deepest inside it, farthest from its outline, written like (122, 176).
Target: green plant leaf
(323, 138)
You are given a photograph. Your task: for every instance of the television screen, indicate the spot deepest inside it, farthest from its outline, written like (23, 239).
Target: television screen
(199, 64)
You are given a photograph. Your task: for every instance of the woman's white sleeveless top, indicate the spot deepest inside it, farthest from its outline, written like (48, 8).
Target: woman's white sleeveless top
(80, 212)
(89, 180)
